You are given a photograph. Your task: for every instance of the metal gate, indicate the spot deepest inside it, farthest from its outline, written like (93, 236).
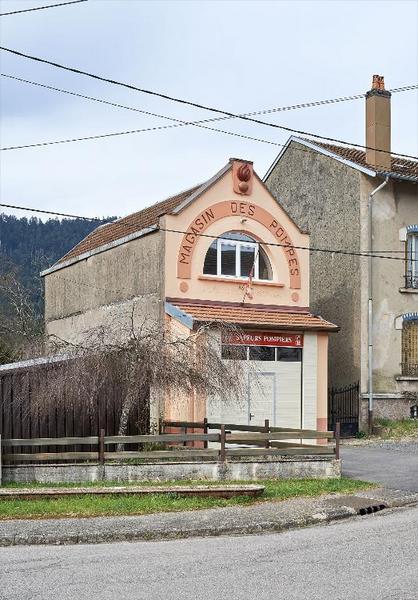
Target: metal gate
(343, 408)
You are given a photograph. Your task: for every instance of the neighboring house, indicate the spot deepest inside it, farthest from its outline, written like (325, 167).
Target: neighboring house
(325, 188)
(221, 252)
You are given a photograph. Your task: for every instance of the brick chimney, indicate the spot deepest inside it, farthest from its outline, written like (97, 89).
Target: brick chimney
(378, 125)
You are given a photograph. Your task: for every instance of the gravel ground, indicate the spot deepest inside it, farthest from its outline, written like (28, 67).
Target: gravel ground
(409, 444)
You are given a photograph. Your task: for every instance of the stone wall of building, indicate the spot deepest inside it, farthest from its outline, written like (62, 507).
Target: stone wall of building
(107, 289)
(394, 207)
(322, 196)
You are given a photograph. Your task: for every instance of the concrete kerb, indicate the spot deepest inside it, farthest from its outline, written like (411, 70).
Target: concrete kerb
(268, 517)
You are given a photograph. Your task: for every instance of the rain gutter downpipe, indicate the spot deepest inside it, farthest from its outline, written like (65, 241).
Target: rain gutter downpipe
(370, 301)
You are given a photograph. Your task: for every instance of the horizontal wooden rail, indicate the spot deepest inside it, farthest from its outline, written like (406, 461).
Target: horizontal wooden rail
(254, 441)
(163, 438)
(256, 428)
(295, 450)
(192, 453)
(69, 441)
(51, 456)
(243, 438)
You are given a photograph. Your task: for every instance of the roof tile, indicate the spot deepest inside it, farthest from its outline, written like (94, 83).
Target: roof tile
(400, 166)
(249, 315)
(110, 232)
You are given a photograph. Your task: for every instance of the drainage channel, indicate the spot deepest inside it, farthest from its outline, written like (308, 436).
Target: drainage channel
(368, 510)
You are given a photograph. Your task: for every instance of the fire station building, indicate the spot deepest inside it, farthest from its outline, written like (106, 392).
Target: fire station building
(224, 251)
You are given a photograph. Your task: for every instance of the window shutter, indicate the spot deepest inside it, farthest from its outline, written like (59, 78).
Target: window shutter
(410, 348)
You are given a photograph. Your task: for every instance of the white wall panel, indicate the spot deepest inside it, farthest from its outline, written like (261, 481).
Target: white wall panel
(310, 360)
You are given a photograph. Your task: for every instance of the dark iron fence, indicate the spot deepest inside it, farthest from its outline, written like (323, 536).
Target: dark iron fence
(343, 408)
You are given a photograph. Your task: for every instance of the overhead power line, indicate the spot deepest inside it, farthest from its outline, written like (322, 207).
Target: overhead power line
(265, 111)
(177, 122)
(194, 104)
(25, 10)
(206, 235)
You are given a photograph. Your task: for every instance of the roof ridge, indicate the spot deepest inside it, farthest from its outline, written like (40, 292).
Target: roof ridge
(131, 223)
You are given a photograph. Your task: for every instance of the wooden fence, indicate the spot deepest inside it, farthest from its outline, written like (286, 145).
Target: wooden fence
(245, 441)
(21, 393)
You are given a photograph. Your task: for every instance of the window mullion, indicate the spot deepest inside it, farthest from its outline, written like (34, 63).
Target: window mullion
(256, 261)
(238, 260)
(218, 257)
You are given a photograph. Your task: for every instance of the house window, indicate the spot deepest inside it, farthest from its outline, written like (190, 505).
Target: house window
(411, 275)
(236, 254)
(261, 353)
(410, 347)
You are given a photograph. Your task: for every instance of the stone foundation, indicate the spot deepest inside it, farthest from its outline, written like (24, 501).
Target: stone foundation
(269, 468)
(386, 406)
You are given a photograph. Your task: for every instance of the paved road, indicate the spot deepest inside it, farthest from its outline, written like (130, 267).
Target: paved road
(395, 465)
(372, 558)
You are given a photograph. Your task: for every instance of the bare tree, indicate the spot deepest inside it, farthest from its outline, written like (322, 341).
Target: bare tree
(142, 359)
(20, 321)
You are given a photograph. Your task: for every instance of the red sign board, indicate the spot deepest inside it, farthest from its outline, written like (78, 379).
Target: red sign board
(265, 338)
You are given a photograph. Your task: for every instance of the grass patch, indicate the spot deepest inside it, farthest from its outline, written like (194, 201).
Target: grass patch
(90, 505)
(402, 428)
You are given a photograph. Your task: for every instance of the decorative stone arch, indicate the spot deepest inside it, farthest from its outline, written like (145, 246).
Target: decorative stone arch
(228, 208)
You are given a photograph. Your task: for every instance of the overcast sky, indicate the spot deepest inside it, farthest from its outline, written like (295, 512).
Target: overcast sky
(239, 56)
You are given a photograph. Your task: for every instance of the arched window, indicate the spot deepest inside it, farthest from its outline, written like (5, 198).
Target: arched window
(236, 254)
(410, 344)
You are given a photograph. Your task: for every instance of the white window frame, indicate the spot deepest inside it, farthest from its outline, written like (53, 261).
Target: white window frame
(238, 245)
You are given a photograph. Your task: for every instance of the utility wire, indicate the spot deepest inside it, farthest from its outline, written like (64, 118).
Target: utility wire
(194, 104)
(178, 122)
(405, 88)
(15, 12)
(215, 237)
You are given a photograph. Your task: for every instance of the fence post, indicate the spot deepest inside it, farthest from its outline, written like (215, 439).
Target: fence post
(222, 453)
(267, 430)
(337, 440)
(101, 447)
(205, 431)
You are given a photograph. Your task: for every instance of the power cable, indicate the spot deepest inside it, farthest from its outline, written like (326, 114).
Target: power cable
(206, 235)
(178, 122)
(15, 12)
(195, 104)
(405, 88)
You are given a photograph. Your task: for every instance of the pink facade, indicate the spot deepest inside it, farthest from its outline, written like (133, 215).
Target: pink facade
(232, 254)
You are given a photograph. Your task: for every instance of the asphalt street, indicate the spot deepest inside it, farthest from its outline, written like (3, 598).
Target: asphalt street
(372, 558)
(394, 465)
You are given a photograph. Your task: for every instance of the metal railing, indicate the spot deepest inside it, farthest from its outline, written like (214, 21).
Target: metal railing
(411, 280)
(409, 369)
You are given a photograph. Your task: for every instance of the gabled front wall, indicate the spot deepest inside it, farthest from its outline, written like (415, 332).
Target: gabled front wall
(218, 211)
(299, 397)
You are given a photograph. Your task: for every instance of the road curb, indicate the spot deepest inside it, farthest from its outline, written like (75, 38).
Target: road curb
(324, 516)
(139, 529)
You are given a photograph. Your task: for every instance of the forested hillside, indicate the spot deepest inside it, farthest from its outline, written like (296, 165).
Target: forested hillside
(27, 246)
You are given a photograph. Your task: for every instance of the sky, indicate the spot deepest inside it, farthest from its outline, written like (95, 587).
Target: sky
(237, 56)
